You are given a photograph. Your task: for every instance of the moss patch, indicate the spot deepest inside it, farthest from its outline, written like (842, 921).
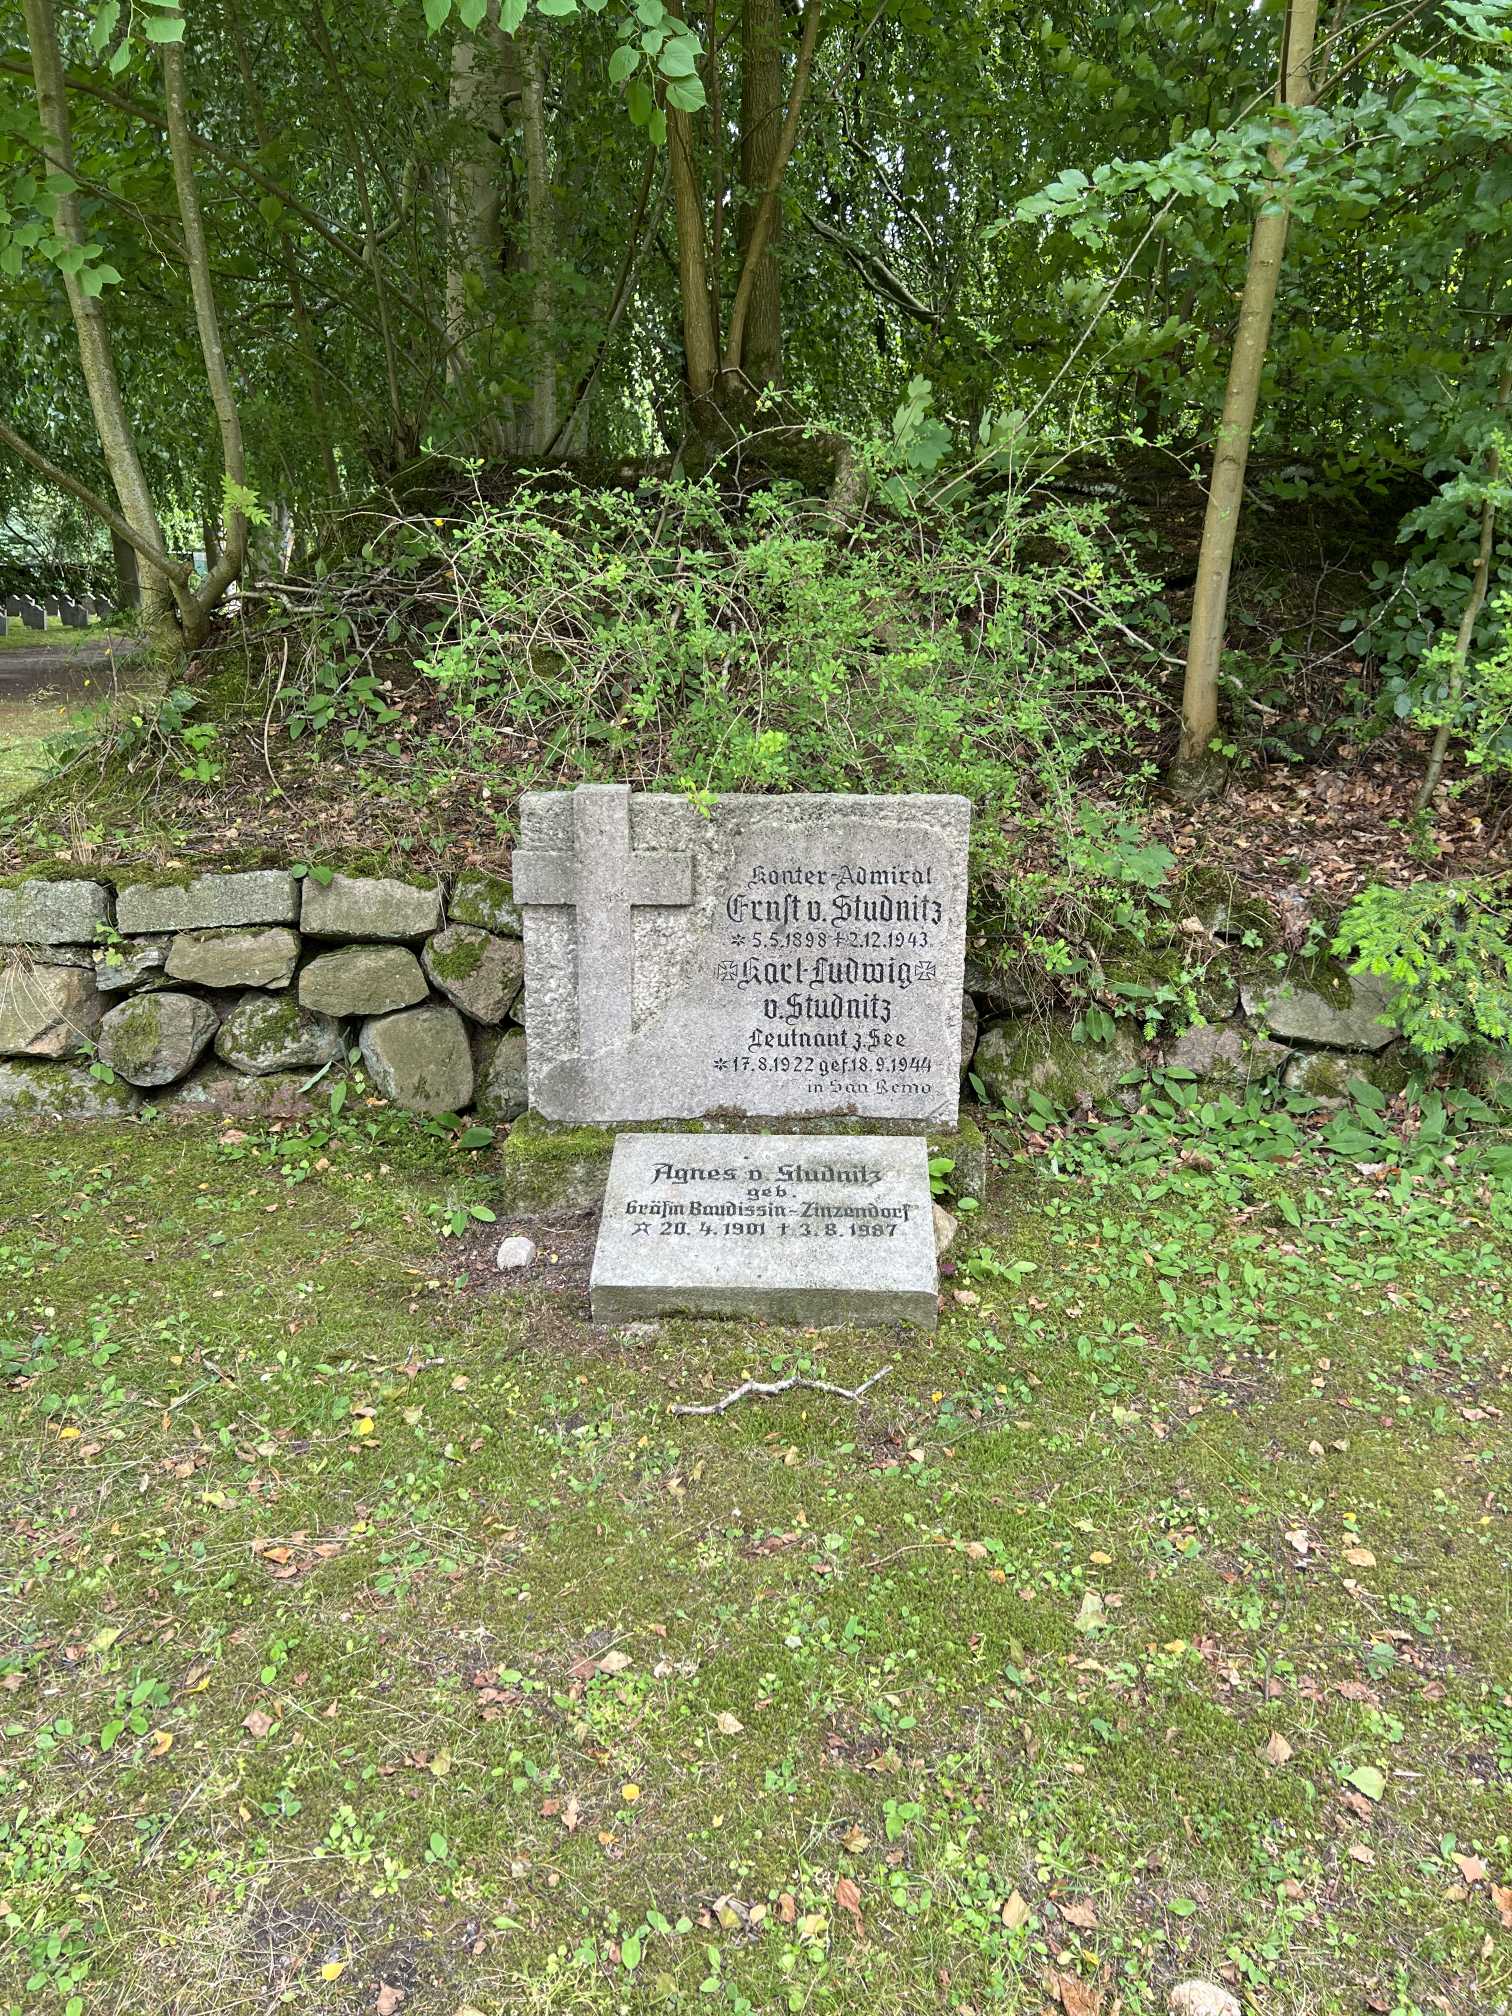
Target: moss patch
(460, 956)
(135, 1034)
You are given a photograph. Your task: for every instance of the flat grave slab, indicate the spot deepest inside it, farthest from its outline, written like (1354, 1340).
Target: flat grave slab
(788, 1228)
(790, 957)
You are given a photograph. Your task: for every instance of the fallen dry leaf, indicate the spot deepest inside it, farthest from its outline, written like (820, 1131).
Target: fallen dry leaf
(389, 1999)
(1501, 1897)
(1278, 1751)
(257, 1724)
(1359, 1557)
(848, 1896)
(1081, 1915)
(1471, 1868)
(612, 1662)
(1015, 1912)
(728, 1724)
(1077, 1997)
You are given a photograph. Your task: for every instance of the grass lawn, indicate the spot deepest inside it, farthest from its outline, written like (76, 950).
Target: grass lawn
(14, 636)
(376, 1640)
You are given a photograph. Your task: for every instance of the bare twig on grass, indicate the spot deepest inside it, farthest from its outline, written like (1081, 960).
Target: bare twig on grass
(765, 1388)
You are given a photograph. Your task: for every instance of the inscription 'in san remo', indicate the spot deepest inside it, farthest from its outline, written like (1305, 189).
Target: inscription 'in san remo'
(812, 966)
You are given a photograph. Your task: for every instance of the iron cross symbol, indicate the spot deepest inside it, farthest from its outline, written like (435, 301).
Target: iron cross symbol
(603, 879)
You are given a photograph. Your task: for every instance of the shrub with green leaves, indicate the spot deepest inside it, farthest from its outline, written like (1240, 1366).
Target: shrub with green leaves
(662, 636)
(1446, 947)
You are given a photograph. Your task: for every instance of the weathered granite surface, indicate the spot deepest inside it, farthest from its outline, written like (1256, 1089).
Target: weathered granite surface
(486, 900)
(251, 896)
(46, 1011)
(235, 956)
(778, 1226)
(1225, 1055)
(218, 1088)
(362, 980)
(502, 1092)
(782, 956)
(370, 906)
(154, 1038)
(1040, 1054)
(420, 1058)
(37, 1092)
(477, 972)
(39, 912)
(1338, 1010)
(129, 964)
(265, 1033)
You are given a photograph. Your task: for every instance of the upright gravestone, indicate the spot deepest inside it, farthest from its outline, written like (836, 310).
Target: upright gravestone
(31, 614)
(795, 958)
(773, 956)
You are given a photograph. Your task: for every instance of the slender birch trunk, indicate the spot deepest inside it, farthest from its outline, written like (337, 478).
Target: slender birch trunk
(1194, 772)
(159, 599)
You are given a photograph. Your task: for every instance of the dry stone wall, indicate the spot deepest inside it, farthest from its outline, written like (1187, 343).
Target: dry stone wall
(230, 992)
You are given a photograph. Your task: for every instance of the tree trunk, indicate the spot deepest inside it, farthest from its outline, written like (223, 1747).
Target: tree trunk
(484, 79)
(158, 600)
(197, 610)
(768, 211)
(540, 241)
(700, 341)
(127, 573)
(761, 106)
(1194, 772)
(298, 308)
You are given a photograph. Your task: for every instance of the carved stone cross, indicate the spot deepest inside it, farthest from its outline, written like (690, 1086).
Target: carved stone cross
(603, 879)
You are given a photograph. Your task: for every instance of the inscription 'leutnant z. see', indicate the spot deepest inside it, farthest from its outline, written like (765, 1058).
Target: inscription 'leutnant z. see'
(776, 956)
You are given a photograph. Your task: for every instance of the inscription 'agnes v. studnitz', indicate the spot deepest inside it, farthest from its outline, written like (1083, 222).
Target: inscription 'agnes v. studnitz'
(771, 956)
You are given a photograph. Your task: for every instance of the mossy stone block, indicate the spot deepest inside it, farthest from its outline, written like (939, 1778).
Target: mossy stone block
(1028, 1054)
(487, 901)
(370, 906)
(155, 1038)
(38, 911)
(37, 1092)
(271, 1033)
(46, 1011)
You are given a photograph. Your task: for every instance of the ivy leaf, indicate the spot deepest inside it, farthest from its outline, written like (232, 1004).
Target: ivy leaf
(436, 12)
(471, 12)
(164, 27)
(622, 64)
(511, 14)
(639, 102)
(557, 8)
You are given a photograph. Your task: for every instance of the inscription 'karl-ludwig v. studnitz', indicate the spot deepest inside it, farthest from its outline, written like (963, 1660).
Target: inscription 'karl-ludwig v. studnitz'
(795, 956)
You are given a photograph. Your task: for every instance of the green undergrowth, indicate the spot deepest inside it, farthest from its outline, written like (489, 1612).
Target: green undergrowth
(369, 1626)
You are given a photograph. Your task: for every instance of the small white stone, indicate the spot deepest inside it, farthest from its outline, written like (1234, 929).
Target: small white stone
(1202, 1998)
(516, 1252)
(945, 1229)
